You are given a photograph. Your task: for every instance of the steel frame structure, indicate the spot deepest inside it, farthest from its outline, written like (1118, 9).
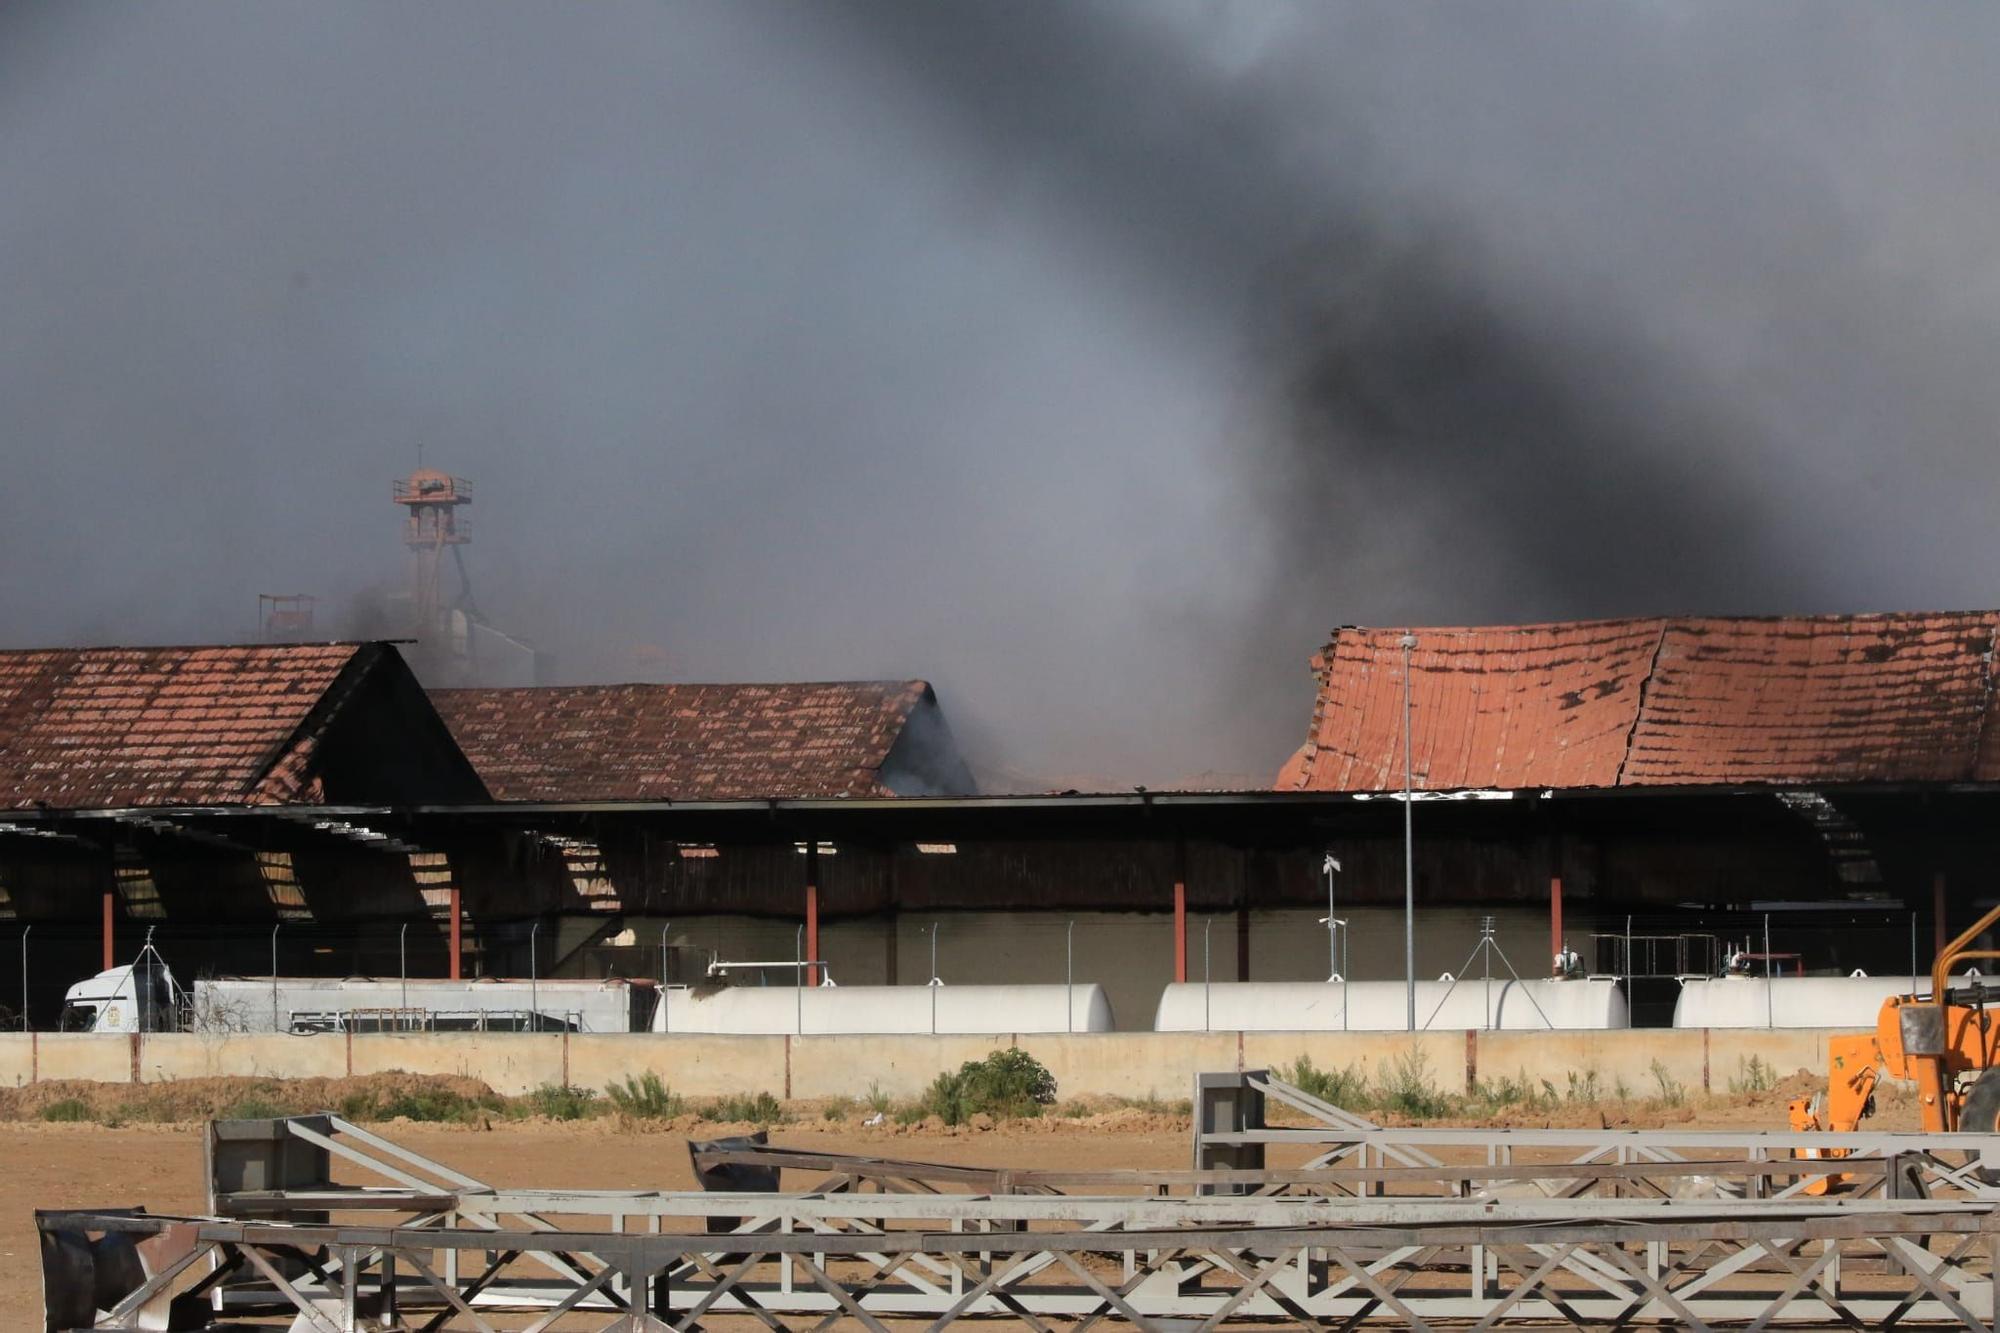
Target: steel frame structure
(812, 1266)
(1358, 1156)
(1685, 1229)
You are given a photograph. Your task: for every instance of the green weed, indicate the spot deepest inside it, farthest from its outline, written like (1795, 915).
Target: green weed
(1346, 1088)
(644, 1097)
(560, 1101)
(1753, 1074)
(1405, 1088)
(758, 1109)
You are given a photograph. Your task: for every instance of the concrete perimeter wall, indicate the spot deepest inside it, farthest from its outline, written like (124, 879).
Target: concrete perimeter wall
(1130, 1064)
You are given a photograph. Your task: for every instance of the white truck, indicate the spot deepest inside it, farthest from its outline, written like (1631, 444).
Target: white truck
(144, 996)
(141, 996)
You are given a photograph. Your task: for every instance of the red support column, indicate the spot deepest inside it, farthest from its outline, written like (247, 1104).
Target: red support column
(457, 924)
(1556, 922)
(1180, 912)
(110, 959)
(1938, 913)
(812, 912)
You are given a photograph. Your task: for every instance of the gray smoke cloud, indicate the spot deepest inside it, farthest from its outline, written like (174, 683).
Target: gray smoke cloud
(1092, 363)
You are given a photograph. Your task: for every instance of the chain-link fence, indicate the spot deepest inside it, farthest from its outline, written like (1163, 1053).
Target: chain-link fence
(1132, 957)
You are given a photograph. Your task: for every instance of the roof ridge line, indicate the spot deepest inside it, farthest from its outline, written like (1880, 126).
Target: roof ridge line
(320, 712)
(1639, 709)
(1986, 696)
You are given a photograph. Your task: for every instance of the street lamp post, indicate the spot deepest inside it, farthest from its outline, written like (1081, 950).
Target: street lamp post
(1331, 867)
(1408, 642)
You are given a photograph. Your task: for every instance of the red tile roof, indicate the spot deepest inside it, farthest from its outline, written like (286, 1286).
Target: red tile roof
(682, 742)
(1805, 700)
(108, 727)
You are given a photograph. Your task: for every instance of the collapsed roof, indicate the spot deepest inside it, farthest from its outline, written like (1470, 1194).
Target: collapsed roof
(1781, 701)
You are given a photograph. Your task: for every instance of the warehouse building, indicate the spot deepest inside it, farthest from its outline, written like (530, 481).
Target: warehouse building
(1648, 791)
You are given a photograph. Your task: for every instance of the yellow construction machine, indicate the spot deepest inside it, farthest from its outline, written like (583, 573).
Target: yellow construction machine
(1945, 1042)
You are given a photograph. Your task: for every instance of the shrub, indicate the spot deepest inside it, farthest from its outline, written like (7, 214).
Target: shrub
(1753, 1075)
(644, 1098)
(68, 1111)
(837, 1108)
(944, 1098)
(560, 1101)
(252, 1108)
(427, 1104)
(1517, 1090)
(1006, 1084)
(878, 1101)
(1346, 1088)
(1672, 1093)
(1405, 1087)
(761, 1109)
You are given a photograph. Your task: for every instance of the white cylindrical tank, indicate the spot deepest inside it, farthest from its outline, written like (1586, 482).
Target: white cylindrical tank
(1792, 1002)
(830, 1010)
(1383, 1006)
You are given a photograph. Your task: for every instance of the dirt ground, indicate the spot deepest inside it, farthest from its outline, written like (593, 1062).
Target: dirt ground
(160, 1165)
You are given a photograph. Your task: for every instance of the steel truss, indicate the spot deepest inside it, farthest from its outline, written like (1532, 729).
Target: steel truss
(1674, 1229)
(1358, 1156)
(815, 1266)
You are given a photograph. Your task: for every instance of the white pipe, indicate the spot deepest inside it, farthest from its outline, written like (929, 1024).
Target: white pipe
(719, 967)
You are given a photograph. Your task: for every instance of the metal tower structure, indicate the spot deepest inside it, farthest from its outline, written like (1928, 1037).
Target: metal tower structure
(285, 617)
(434, 525)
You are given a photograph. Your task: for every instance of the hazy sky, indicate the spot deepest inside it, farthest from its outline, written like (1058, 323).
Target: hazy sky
(1092, 361)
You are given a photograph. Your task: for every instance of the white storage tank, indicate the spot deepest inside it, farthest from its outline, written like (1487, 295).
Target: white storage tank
(831, 1010)
(1851, 1002)
(1383, 1006)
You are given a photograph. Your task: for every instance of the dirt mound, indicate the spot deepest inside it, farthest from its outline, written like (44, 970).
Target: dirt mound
(437, 1096)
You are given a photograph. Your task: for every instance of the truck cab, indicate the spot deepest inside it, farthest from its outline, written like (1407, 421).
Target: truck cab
(141, 996)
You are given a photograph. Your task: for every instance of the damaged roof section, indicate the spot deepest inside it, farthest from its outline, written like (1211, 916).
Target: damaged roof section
(247, 725)
(1781, 701)
(707, 742)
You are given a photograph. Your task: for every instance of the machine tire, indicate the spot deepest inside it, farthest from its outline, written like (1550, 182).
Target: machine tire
(1981, 1115)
